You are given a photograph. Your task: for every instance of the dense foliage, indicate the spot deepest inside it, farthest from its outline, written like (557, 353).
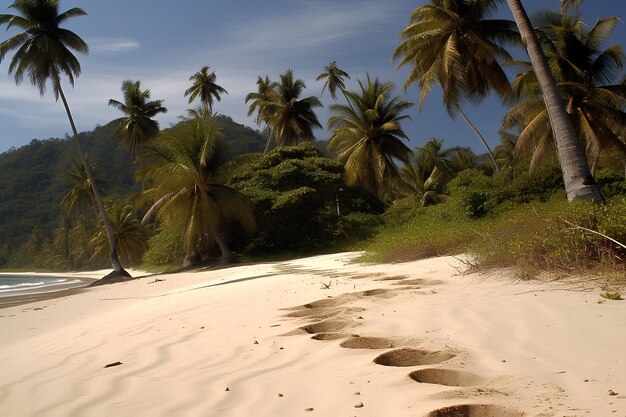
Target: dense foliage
(295, 193)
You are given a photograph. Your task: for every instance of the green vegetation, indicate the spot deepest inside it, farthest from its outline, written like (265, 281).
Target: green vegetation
(296, 195)
(531, 236)
(182, 180)
(368, 137)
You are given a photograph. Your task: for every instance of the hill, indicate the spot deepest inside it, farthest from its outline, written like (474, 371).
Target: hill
(32, 184)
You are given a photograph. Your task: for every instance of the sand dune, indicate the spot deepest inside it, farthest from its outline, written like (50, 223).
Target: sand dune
(317, 336)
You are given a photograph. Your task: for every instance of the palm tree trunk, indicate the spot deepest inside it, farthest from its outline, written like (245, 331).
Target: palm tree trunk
(227, 254)
(579, 182)
(269, 138)
(481, 137)
(115, 263)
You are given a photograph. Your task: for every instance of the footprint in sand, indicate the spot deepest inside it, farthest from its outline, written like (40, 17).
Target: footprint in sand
(324, 326)
(448, 377)
(419, 282)
(331, 336)
(412, 357)
(325, 312)
(474, 410)
(367, 343)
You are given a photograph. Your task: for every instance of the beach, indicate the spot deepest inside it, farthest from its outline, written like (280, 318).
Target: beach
(318, 336)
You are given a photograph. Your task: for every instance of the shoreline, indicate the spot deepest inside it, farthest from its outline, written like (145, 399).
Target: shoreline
(317, 336)
(28, 296)
(45, 293)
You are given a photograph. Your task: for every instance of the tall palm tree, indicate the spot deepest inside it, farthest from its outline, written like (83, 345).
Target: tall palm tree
(334, 79)
(263, 104)
(455, 44)
(137, 126)
(579, 67)
(185, 189)
(293, 118)
(44, 54)
(579, 182)
(368, 137)
(205, 88)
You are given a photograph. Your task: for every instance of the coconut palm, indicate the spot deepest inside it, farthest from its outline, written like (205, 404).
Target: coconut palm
(262, 103)
(205, 88)
(293, 118)
(579, 182)
(579, 66)
(368, 137)
(131, 238)
(455, 44)
(333, 77)
(430, 168)
(81, 193)
(505, 151)
(423, 180)
(461, 158)
(185, 190)
(44, 54)
(137, 127)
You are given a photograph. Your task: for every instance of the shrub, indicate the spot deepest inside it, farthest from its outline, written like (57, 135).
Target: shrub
(165, 248)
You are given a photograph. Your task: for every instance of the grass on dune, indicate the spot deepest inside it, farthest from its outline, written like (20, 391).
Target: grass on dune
(531, 238)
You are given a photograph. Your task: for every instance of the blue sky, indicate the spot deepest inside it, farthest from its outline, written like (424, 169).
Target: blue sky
(163, 42)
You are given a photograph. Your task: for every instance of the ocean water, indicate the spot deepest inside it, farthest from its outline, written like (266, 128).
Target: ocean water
(19, 284)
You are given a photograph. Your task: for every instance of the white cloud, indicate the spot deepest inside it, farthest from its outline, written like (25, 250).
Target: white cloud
(112, 45)
(310, 26)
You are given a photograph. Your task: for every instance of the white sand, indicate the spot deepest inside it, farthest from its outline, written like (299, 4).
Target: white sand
(517, 348)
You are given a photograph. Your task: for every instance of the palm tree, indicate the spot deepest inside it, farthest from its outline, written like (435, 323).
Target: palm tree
(263, 104)
(579, 182)
(185, 189)
(334, 79)
(293, 118)
(429, 170)
(423, 179)
(131, 238)
(505, 151)
(81, 192)
(455, 44)
(579, 66)
(44, 53)
(137, 126)
(204, 87)
(368, 137)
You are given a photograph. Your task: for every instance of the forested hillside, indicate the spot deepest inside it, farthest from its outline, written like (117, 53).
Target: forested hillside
(32, 183)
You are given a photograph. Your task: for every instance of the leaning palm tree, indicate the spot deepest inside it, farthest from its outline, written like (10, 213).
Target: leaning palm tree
(579, 182)
(263, 104)
(333, 76)
(44, 54)
(205, 88)
(368, 137)
(137, 127)
(580, 67)
(455, 44)
(185, 189)
(293, 117)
